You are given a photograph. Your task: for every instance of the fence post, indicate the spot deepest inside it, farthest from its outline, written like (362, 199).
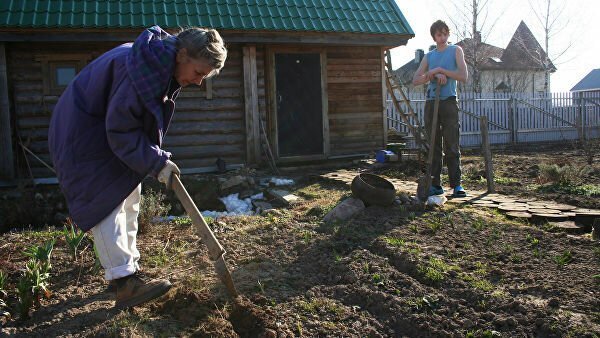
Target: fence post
(579, 124)
(512, 123)
(487, 154)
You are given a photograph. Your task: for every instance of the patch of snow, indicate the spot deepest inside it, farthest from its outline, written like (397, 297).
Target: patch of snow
(235, 206)
(281, 181)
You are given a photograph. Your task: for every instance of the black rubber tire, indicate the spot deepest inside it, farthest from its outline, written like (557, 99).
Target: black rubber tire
(373, 189)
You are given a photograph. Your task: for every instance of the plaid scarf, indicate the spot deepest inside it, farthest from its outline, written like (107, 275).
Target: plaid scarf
(150, 66)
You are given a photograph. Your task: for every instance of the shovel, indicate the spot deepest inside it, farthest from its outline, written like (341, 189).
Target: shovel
(424, 182)
(215, 250)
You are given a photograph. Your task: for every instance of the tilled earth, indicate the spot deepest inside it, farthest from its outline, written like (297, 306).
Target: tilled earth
(388, 272)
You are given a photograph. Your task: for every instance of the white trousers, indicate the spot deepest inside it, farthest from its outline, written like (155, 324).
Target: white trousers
(115, 238)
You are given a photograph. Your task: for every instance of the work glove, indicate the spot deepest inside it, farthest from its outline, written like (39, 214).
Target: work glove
(164, 176)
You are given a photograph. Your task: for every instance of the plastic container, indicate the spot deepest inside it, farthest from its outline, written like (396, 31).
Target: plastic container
(381, 155)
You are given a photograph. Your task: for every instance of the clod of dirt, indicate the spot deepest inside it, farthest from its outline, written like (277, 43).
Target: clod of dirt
(185, 306)
(248, 320)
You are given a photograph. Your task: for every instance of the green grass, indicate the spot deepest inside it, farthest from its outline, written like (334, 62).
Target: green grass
(589, 190)
(478, 224)
(564, 258)
(516, 258)
(435, 270)
(532, 240)
(317, 305)
(505, 180)
(171, 255)
(436, 222)
(393, 241)
(42, 234)
(597, 252)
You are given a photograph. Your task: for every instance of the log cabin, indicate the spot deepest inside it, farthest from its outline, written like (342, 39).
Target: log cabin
(306, 76)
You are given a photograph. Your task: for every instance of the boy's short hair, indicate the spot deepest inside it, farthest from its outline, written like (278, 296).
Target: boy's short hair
(439, 26)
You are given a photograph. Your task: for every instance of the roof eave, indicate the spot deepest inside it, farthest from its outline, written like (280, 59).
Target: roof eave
(230, 36)
(584, 90)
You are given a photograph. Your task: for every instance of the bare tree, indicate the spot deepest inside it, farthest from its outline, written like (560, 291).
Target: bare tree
(549, 15)
(475, 15)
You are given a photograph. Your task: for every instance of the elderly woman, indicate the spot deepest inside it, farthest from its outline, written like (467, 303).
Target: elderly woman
(106, 135)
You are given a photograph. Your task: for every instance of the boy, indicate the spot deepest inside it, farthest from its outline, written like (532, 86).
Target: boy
(443, 66)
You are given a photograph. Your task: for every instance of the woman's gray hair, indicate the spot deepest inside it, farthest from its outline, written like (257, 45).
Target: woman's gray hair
(203, 43)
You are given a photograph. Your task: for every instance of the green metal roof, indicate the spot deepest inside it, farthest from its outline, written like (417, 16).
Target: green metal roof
(360, 16)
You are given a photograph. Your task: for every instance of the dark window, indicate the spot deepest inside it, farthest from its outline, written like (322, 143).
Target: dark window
(64, 75)
(59, 70)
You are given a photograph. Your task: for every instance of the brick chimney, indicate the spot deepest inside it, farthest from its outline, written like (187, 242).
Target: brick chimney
(419, 54)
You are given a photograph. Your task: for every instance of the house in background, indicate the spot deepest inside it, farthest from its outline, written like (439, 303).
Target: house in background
(312, 71)
(589, 84)
(517, 68)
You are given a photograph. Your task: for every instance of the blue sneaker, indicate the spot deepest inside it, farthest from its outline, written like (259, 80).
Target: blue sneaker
(436, 190)
(459, 191)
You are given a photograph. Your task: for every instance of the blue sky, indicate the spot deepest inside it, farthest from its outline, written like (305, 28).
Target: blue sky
(578, 22)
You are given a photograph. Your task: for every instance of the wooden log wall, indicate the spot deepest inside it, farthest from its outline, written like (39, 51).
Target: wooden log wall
(31, 108)
(208, 125)
(354, 79)
(201, 131)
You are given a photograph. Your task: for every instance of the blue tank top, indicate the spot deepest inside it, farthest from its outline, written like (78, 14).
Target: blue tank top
(446, 60)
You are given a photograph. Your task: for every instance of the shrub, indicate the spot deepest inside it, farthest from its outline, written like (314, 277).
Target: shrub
(152, 205)
(562, 175)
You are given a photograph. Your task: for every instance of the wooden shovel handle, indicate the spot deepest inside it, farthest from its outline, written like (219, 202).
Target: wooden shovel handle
(215, 250)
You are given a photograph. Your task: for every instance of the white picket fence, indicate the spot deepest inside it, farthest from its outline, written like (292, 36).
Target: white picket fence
(516, 118)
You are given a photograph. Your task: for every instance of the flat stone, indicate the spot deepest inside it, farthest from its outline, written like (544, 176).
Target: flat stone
(246, 193)
(544, 211)
(512, 208)
(587, 212)
(233, 182)
(483, 202)
(262, 205)
(569, 227)
(541, 217)
(344, 210)
(283, 196)
(561, 207)
(518, 214)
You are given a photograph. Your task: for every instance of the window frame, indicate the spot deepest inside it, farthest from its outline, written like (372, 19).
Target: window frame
(50, 63)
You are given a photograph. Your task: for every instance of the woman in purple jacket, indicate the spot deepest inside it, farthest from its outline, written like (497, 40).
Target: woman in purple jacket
(106, 135)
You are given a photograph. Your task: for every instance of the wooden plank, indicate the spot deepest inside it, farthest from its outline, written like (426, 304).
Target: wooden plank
(355, 61)
(6, 151)
(175, 140)
(224, 127)
(353, 79)
(251, 105)
(190, 163)
(202, 151)
(351, 87)
(374, 67)
(208, 116)
(487, 154)
(209, 89)
(354, 73)
(325, 104)
(212, 105)
(271, 90)
(383, 95)
(354, 122)
(361, 115)
(348, 96)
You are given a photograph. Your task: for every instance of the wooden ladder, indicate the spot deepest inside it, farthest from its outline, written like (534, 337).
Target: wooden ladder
(393, 87)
